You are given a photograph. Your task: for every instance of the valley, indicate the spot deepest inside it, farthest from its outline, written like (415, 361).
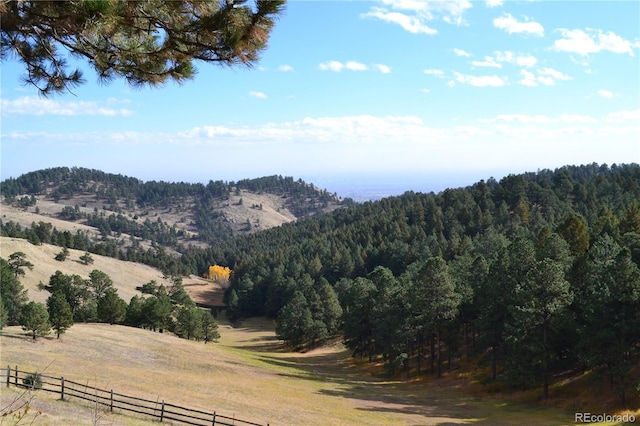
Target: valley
(414, 309)
(248, 374)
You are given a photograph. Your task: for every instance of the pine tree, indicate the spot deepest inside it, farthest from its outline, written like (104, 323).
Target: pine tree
(209, 328)
(35, 319)
(60, 315)
(189, 322)
(540, 299)
(111, 308)
(146, 43)
(295, 323)
(435, 302)
(17, 261)
(12, 293)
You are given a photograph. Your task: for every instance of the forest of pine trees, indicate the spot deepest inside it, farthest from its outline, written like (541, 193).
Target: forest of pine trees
(535, 274)
(531, 275)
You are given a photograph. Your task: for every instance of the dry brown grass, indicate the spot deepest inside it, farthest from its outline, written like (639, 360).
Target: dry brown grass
(249, 375)
(126, 276)
(179, 214)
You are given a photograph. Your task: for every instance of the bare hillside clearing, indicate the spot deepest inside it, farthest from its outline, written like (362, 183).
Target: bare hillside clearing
(126, 276)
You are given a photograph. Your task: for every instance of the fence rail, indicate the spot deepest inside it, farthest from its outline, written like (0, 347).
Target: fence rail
(159, 409)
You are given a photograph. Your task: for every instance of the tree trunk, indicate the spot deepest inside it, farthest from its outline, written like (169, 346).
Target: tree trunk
(439, 354)
(494, 363)
(545, 365)
(433, 353)
(419, 353)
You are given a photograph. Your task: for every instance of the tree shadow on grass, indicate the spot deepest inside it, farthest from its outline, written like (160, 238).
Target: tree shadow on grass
(419, 402)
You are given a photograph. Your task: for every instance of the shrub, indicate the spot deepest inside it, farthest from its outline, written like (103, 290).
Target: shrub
(33, 381)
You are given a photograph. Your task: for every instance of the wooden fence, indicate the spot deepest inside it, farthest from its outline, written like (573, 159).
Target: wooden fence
(159, 409)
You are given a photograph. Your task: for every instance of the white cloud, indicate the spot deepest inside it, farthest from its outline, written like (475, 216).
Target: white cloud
(425, 90)
(488, 62)
(413, 15)
(528, 78)
(546, 77)
(285, 68)
(540, 119)
(331, 66)
(591, 41)
(347, 129)
(259, 95)
(409, 23)
(494, 3)
(517, 59)
(547, 81)
(352, 143)
(434, 72)
(526, 61)
(384, 69)
(480, 81)
(605, 94)
(30, 105)
(553, 73)
(337, 66)
(621, 116)
(355, 66)
(512, 26)
(460, 52)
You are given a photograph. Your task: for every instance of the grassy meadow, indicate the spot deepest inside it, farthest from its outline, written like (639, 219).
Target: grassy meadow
(248, 374)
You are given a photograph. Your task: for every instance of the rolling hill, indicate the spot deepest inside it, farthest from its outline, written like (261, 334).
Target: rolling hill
(171, 214)
(126, 276)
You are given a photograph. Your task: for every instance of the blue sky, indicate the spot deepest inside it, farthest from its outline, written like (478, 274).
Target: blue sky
(363, 90)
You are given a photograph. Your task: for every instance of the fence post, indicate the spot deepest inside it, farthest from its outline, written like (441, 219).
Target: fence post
(214, 419)
(8, 374)
(62, 388)
(16, 376)
(162, 412)
(111, 404)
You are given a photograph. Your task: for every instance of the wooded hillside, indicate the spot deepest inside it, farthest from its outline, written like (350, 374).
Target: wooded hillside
(535, 274)
(534, 277)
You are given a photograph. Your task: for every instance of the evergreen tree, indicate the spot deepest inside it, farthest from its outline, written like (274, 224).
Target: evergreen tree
(99, 283)
(156, 311)
(11, 292)
(331, 309)
(35, 319)
(609, 304)
(143, 42)
(4, 317)
(209, 327)
(357, 317)
(540, 299)
(295, 322)
(233, 308)
(62, 255)
(575, 231)
(74, 288)
(111, 308)
(497, 297)
(134, 315)
(435, 302)
(17, 261)
(189, 322)
(86, 259)
(60, 315)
